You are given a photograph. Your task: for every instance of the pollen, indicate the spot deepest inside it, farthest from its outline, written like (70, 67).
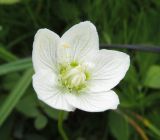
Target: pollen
(65, 45)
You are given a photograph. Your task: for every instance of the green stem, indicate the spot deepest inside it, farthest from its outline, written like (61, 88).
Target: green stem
(60, 125)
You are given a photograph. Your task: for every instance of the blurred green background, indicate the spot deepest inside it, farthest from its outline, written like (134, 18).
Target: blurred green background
(23, 117)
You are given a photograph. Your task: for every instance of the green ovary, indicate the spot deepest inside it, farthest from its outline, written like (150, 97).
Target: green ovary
(73, 76)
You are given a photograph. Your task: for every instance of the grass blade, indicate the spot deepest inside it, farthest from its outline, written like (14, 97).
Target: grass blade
(6, 55)
(15, 95)
(15, 66)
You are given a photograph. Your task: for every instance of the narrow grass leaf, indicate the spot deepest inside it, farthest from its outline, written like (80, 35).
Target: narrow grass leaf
(8, 1)
(15, 66)
(6, 55)
(15, 95)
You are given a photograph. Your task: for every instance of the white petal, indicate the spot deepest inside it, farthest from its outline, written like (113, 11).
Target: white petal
(44, 83)
(44, 53)
(80, 42)
(94, 102)
(110, 68)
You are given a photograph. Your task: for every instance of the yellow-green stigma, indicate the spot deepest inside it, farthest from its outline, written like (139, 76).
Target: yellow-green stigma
(73, 76)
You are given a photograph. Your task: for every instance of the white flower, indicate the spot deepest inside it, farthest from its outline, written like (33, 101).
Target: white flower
(71, 72)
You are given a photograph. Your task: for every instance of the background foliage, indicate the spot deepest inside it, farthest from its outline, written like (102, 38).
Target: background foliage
(23, 117)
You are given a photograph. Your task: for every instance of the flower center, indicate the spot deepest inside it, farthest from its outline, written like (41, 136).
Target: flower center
(73, 76)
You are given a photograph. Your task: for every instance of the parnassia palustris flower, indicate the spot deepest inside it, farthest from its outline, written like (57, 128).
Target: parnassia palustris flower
(71, 72)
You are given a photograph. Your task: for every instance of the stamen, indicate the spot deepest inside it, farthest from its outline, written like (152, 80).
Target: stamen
(74, 76)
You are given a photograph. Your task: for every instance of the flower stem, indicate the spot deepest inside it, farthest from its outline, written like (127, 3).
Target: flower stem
(60, 125)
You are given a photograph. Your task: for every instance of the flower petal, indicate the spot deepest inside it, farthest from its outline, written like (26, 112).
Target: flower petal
(80, 42)
(44, 83)
(110, 68)
(44, 53)
(94, 102)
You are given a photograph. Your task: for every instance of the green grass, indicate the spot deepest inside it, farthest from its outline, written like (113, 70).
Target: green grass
(23, 117)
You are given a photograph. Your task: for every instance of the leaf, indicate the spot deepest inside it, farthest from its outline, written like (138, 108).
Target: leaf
(15, 95)
(152, 79)
(6, 55)
(40, 122)
(9, 1)
(132, 76)
(107, 38)
(118, 126)
(9, 81)
(151, 99)
(28, 106)
(150, 59)
(15, 66)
